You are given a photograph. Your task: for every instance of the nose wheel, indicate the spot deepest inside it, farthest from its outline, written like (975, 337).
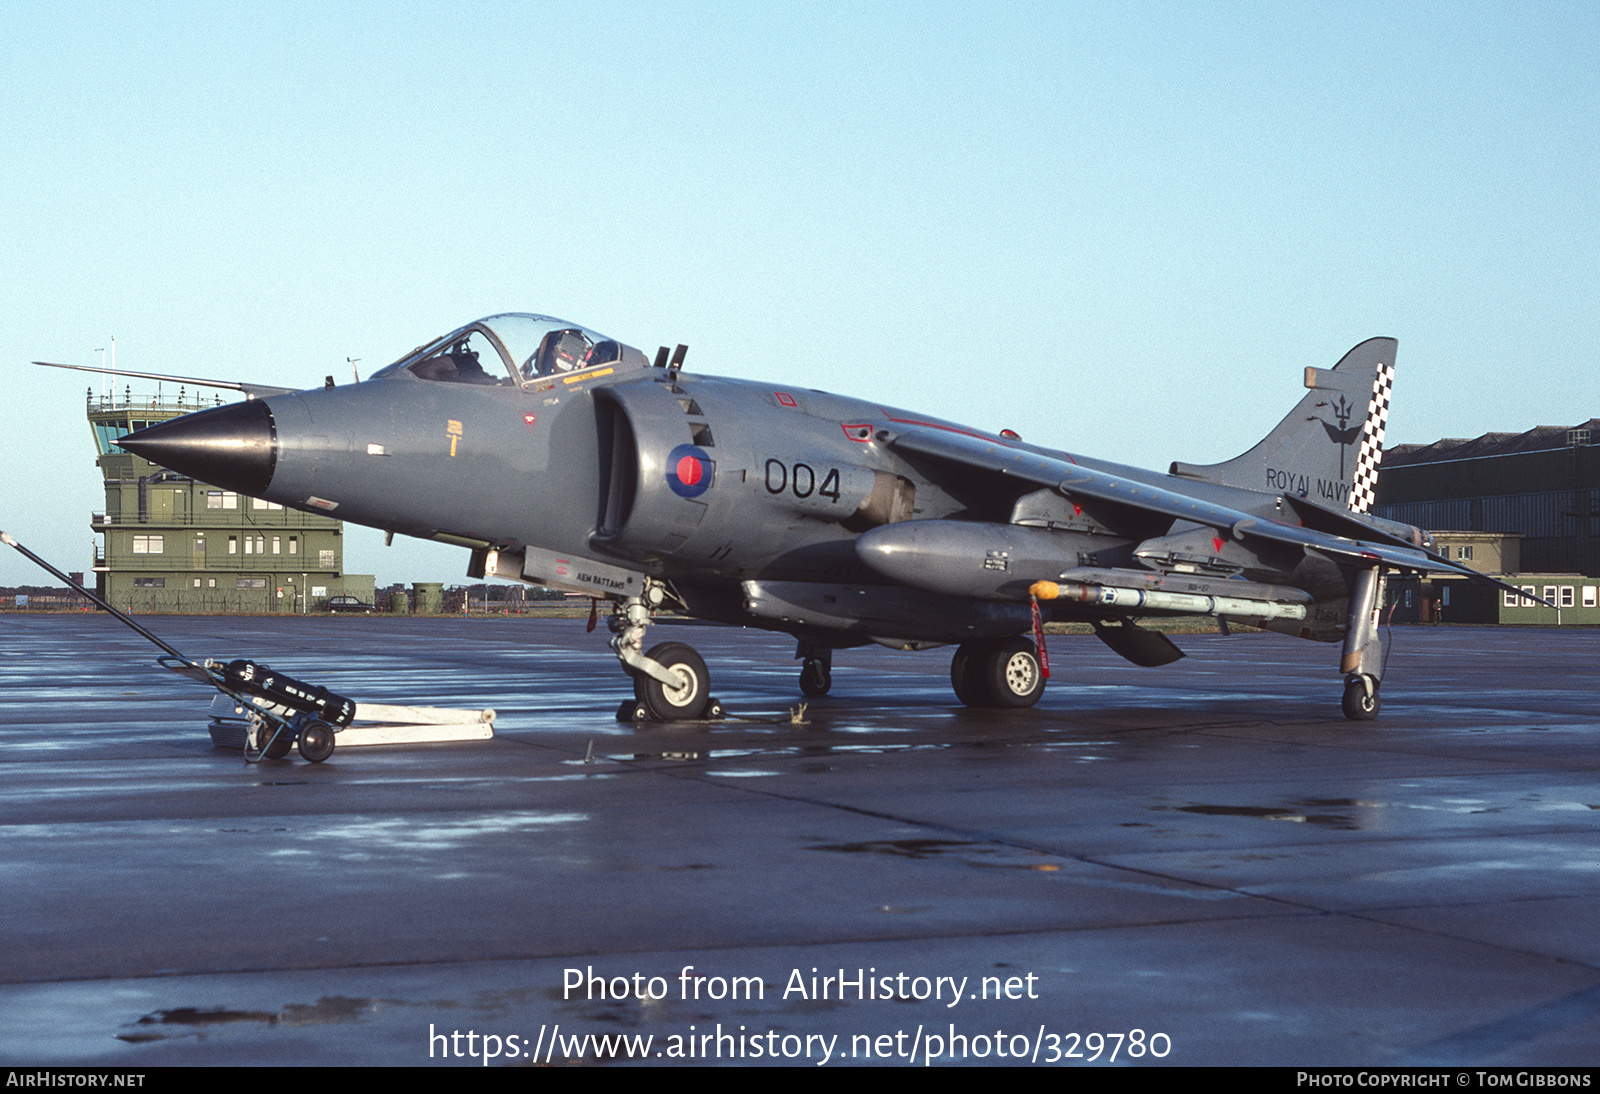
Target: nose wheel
(683, 700)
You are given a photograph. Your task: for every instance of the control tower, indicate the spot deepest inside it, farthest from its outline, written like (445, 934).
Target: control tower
(176, 545)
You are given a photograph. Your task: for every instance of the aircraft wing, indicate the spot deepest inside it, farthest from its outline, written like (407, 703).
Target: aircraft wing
(1075, 481)
(253, 391)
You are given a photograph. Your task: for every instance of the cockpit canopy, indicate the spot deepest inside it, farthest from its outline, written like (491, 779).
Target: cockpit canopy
(513, 350)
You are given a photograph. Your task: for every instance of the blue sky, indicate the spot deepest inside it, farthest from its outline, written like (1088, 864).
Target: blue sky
(1121, 229)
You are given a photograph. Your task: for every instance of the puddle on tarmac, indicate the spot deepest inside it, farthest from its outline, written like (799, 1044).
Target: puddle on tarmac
(1297, 813)
(904, 848)
(163, 1025)
(963, 850)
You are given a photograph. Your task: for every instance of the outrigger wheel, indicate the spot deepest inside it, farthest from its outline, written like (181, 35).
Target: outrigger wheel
(1360, 697)
(316, 741)
(997, 673)
(816, 677)
(685, 701)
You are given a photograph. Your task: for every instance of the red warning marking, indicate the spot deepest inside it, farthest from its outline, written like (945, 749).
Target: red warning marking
(689, 471)
(784, 398)
(1216, 544)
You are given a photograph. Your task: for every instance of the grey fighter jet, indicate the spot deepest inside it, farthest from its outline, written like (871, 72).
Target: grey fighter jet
(564, 458)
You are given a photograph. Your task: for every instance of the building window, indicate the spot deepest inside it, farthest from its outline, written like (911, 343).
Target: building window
(197, 583)
(1508, 599)
(221, 499)
(277, 544)
(325, 559)
(294, 545)
(1463, 552)
(233, 545)
(1589, 600)
(259, 503)
(149, 583)
(1527, 596)
(319, 590)
(250, 583)
(1567, 600)
(148, 545)
(1550, 593)
(1444, 596)
(211, 583)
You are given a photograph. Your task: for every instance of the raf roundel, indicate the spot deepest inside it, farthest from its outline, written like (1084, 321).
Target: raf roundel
(689, 471)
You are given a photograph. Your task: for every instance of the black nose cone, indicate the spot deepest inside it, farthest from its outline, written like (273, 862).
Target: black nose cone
(234, 446)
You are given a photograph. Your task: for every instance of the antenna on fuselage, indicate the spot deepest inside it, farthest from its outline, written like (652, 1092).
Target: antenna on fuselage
(677, 360)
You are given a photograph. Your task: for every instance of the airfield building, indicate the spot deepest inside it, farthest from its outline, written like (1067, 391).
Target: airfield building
(176, 545)
(1543, 484)
(1524, 507)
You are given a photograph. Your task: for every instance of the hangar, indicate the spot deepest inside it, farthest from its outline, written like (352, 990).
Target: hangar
(1522, 506)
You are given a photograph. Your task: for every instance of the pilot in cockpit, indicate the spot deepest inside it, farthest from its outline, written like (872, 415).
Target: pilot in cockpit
(602, 353)
(459, 365)
(561, 351)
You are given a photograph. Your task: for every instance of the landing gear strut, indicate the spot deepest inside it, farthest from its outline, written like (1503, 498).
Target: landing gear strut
(670, 682)
(1363, 648)
(997, 673)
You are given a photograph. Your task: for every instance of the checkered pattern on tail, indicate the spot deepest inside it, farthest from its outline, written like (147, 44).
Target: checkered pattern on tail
(1365, 487)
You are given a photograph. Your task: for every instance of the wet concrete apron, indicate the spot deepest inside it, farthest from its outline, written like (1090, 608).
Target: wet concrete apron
(1207, 851)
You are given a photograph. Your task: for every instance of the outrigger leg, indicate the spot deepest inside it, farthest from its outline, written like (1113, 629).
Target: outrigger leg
(1363, 648)
(670, 681)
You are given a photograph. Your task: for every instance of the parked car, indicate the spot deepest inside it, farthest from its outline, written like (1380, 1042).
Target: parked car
(346, 604)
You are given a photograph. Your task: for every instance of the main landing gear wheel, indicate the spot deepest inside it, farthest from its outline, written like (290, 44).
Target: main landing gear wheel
(684, 701)
(961, 674)
(816, 678)
(1360, 698)
(1004, 673)
(316, 741)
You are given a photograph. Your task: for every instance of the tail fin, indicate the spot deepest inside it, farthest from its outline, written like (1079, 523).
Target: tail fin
(1324, 449)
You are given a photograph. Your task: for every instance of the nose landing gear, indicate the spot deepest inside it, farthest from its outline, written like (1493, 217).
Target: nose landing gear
(670, 682)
